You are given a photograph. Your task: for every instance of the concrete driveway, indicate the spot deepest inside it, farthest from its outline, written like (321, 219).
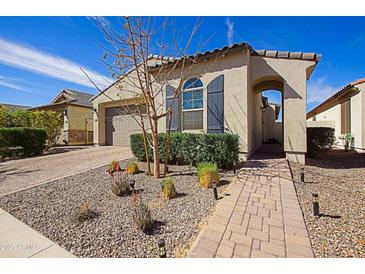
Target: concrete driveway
(21, 174)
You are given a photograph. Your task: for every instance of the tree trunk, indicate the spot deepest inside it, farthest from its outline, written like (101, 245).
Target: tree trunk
(156, 158)
(145, 144)
(168, 138)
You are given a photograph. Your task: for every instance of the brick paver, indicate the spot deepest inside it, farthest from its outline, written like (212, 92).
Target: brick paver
(260, 217)
(21, 174)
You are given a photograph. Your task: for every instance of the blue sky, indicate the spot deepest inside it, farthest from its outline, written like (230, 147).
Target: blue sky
(39, 56)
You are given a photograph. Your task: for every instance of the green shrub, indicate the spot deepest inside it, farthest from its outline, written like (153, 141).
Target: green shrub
(168, 188)
(207, 174)
(49, 120)
(189, 148)
(319, 139)
(22, 141)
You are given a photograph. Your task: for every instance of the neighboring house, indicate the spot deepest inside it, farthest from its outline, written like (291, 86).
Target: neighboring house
(12, 108)
(76, 110)
(272, 129)
(222, 94)
(345, 111)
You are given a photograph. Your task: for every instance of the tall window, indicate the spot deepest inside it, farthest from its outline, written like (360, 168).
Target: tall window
(193, 104)
(346, 117)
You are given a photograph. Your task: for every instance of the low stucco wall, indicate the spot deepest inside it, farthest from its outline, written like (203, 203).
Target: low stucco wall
(332, 117)
(330, 124)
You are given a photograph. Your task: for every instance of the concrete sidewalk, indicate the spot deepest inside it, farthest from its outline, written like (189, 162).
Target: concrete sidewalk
(260, 218)
(18, 240)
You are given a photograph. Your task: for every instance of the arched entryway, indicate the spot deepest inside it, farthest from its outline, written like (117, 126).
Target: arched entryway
(268, 115)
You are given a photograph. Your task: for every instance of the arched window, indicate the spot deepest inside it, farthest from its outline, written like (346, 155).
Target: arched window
(193, 104)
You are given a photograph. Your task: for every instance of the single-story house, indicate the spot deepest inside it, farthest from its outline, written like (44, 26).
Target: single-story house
(222, 94)
(76, 110)
(345, 111)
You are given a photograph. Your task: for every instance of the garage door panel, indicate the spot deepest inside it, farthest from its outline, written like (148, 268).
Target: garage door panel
(119, 126)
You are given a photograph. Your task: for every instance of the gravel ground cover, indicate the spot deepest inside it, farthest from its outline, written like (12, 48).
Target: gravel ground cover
(338, 177)
(50, 209)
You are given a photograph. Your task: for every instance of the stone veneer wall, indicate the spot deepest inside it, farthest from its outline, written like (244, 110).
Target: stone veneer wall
(76, 136)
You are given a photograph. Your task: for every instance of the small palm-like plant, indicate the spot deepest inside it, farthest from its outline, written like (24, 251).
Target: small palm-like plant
(348, 138)
(208, 174)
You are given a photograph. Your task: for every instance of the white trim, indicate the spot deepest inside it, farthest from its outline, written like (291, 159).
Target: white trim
(193, 109)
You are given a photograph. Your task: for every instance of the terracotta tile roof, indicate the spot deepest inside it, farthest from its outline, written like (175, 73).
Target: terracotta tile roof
(334, 99)
(264, 53)
(167, 60)
(288, 55)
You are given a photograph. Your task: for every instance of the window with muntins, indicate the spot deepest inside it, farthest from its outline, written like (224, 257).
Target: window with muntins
(192, 104)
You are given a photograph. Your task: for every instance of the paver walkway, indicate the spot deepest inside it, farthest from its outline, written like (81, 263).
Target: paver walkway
(21, 174)
(259, 216)
(17, 240)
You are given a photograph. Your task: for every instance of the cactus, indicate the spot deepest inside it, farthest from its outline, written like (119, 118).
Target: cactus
(114, 167)
(168, 189)
(207, 174)
(132, 168)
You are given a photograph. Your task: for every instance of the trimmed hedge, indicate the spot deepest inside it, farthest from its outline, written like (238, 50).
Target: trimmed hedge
(189, 148)
(19, 141)
(319, 139)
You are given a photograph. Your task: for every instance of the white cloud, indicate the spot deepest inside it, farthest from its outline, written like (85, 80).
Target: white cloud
(31, 59)
(319, 90)
(10, 83)
(230, 31)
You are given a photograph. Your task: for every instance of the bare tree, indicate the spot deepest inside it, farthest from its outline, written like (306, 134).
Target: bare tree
(145, 76)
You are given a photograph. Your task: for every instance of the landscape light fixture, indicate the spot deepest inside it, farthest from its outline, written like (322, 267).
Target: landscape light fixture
(315, 204)
(302, 174)
(132, 183)
(161, 248)
(215, 191)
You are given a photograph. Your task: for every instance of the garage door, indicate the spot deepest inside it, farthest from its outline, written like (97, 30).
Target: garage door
(118, 127)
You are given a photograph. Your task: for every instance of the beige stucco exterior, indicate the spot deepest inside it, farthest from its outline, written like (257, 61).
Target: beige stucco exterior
(271, 128)
(333, 118)
(245, 77)
(77, 123)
